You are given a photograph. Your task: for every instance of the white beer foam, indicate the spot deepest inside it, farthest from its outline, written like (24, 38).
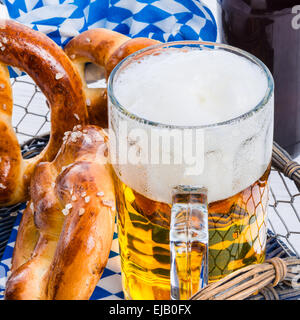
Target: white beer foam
(190, 88)
(197, 88)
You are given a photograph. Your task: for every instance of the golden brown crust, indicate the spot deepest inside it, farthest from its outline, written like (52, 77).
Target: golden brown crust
(52, 71)
(80, 263)
(29, 233)
(126, 49)
(106, 49)
(73, 203)
(95, 46)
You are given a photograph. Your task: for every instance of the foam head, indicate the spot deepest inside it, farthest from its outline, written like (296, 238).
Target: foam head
(193, 87)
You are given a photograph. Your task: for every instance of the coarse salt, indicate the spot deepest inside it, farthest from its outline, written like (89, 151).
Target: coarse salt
(69, 206)
(88, 140)
(65, 211)
(73, 137)
(109, 203)
(58, 76)
(78, 127)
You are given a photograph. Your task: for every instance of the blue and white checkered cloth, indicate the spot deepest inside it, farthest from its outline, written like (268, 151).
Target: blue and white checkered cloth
(163, 20)
(61, 20)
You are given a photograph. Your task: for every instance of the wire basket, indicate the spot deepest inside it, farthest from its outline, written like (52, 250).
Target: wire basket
(31, 121)
(31, 116)
(284, 205)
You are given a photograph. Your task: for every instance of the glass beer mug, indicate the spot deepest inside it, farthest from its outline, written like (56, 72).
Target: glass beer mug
(185, 178)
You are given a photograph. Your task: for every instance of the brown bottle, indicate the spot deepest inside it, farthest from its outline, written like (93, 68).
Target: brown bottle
(270, 30)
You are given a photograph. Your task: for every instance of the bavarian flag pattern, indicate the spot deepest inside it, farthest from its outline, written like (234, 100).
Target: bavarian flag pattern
(61, 20)
(163, 20)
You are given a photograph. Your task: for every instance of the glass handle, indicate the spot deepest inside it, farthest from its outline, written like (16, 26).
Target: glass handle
(188, 241)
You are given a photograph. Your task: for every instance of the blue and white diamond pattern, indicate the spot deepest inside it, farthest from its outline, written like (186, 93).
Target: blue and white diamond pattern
(109, 286)
(163, 20)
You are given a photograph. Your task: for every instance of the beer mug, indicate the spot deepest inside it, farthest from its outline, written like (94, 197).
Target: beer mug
(189, 182)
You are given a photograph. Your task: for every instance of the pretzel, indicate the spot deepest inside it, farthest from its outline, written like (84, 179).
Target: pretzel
(66, 231)
(57, 78)
(106, 49)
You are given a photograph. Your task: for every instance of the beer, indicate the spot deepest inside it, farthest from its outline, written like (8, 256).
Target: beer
(225, 98)
(237, 237)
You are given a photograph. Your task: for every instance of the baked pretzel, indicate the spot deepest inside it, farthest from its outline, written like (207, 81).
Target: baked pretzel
(106, 49)
(57, 78)
(66, 231)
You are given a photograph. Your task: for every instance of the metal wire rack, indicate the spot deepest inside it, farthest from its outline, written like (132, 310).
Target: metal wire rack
(284, 211)
(31, 115)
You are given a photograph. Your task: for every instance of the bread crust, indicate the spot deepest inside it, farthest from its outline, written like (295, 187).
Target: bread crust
(66, 232)
(51, 69)
(106, 49)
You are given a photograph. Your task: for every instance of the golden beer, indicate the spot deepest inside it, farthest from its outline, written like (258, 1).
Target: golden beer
(237, 237)
(191, 132)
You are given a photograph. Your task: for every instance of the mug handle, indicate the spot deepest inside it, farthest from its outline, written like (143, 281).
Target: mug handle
(188, 241)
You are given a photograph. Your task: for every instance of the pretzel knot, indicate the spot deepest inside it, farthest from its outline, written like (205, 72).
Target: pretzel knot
(280, 269)
(51, 69)
(66, 231)
(106, 49)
